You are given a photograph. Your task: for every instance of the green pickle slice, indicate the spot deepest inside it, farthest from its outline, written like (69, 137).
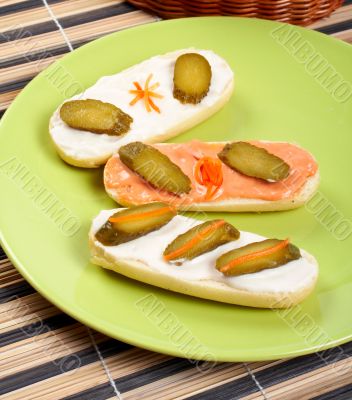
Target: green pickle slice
(254, 161)
(255, 257)
(134, 222)
(200, 239)
(95, 116)
(155, 167)
(192, 76)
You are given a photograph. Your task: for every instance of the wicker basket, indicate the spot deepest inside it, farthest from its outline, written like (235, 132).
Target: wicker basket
(298, 12)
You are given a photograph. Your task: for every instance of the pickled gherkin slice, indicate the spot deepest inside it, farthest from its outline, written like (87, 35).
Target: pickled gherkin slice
(255, 257)
(155, 167)
(134, 222)
(200, 239)
(192, 76)
(95, 116)
(254, 161)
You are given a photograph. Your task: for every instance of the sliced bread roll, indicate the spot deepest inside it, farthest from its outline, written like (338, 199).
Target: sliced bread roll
(142, 259)
(87, 149)
(237, 192)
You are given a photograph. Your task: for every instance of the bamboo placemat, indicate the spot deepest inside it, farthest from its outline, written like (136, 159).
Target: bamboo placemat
(47, 355)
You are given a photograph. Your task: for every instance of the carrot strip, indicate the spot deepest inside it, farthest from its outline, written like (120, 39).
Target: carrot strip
(134, 217)
(153, 94)
(154, 86)
(153, 105)
(134, 101)
(146, 86)
(255, 255)
(138, 86)
(146, 93)
(195, 240)
(211, 192)
(146, 101)
(197, 174)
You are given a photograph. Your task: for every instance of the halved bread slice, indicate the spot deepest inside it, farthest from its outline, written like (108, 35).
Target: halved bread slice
(89, 150)
(141, 259)
(237, 193)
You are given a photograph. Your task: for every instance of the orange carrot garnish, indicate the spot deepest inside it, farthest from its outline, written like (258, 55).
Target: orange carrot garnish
(196, 239)
(208, 172)
(137, 85)
(153, 105)
(254, 255)
(133, 217)
(134, 101)
(146, 94)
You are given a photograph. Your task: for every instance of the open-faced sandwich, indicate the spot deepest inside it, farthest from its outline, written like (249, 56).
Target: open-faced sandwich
(149, 102)
(213, 176)
(211, 260)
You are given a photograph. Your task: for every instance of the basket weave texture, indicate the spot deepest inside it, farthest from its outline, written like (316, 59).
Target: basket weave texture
(298, 12)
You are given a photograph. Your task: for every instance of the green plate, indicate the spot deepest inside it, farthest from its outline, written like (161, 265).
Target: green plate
(292, 85)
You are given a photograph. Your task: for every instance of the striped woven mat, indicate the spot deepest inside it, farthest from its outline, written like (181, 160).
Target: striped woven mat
(45, 354)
